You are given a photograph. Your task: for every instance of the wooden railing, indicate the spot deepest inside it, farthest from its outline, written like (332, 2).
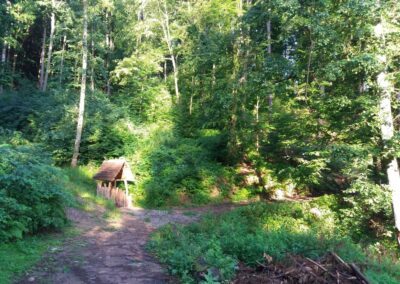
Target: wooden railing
(119, 196)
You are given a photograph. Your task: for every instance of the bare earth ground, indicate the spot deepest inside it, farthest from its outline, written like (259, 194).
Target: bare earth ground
(114, 251)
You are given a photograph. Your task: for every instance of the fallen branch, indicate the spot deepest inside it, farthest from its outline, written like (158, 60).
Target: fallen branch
(320, 266)
(358, 272)
(340, 260)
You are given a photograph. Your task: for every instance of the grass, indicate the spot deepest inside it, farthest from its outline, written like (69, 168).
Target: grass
(245, 234)
(18, 257)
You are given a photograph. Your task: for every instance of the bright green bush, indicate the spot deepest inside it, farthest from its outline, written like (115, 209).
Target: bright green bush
(32, 197)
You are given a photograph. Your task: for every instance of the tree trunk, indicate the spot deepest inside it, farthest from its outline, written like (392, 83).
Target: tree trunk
(233, 137)
(42, 55)
(387, 129)
(214, 79)
(92, 64)
(8, 54)
(191, 96)
(309, 64)
(258, 124)
(49, 53)
(107, 61)
(387, 132)
(167, 37)
(176, 78)
(269, 50)
(269, 36)
(79, 127)
(62, 60)
(14, 65)
(3, 53)
(3, 62)
(165, 70)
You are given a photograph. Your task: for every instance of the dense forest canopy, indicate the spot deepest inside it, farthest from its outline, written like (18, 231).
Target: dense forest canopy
(210, 99)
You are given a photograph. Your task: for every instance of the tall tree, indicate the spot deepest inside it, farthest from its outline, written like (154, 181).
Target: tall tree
(386, 90)
(51, 40)
(81, 110)
(165, 25)
(42, 59)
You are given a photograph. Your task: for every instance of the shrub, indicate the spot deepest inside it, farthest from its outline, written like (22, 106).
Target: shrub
(31, 192)
(368, 210)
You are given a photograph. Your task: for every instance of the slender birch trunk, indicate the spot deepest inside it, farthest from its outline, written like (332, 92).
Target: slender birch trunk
(386, 89)
(176, 76)
(167, 37)
(387, 133)
(107, 61)
(79, 127)
(42, 56)
(50, 51)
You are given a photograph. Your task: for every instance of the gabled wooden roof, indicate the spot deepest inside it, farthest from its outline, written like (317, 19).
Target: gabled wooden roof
(112, 170)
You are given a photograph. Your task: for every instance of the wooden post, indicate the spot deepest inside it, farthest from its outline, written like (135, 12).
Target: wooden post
(98, 189)
(109, 189)
(126, 194)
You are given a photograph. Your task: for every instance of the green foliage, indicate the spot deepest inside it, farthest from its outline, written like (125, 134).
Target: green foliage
(175, 170)
(50, 119)
(247, 233)
(368, 211)
(32, 196)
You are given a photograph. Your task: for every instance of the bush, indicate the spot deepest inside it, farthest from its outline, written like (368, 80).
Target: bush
(31, 192)
(368, 210)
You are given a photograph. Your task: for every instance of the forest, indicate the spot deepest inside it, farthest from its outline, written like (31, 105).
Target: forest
(263, 136)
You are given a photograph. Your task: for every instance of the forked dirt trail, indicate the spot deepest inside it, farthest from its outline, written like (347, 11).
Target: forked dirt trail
(112, 252)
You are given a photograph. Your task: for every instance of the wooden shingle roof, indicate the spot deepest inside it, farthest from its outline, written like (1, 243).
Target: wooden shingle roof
(112, 170)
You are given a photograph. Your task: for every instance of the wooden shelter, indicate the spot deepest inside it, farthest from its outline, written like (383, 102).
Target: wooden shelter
(110, 172)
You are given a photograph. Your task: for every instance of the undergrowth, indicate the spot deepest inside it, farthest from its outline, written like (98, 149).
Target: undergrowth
(216, 245)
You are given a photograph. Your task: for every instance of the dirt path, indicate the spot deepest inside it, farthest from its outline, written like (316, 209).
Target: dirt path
(112, 252)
